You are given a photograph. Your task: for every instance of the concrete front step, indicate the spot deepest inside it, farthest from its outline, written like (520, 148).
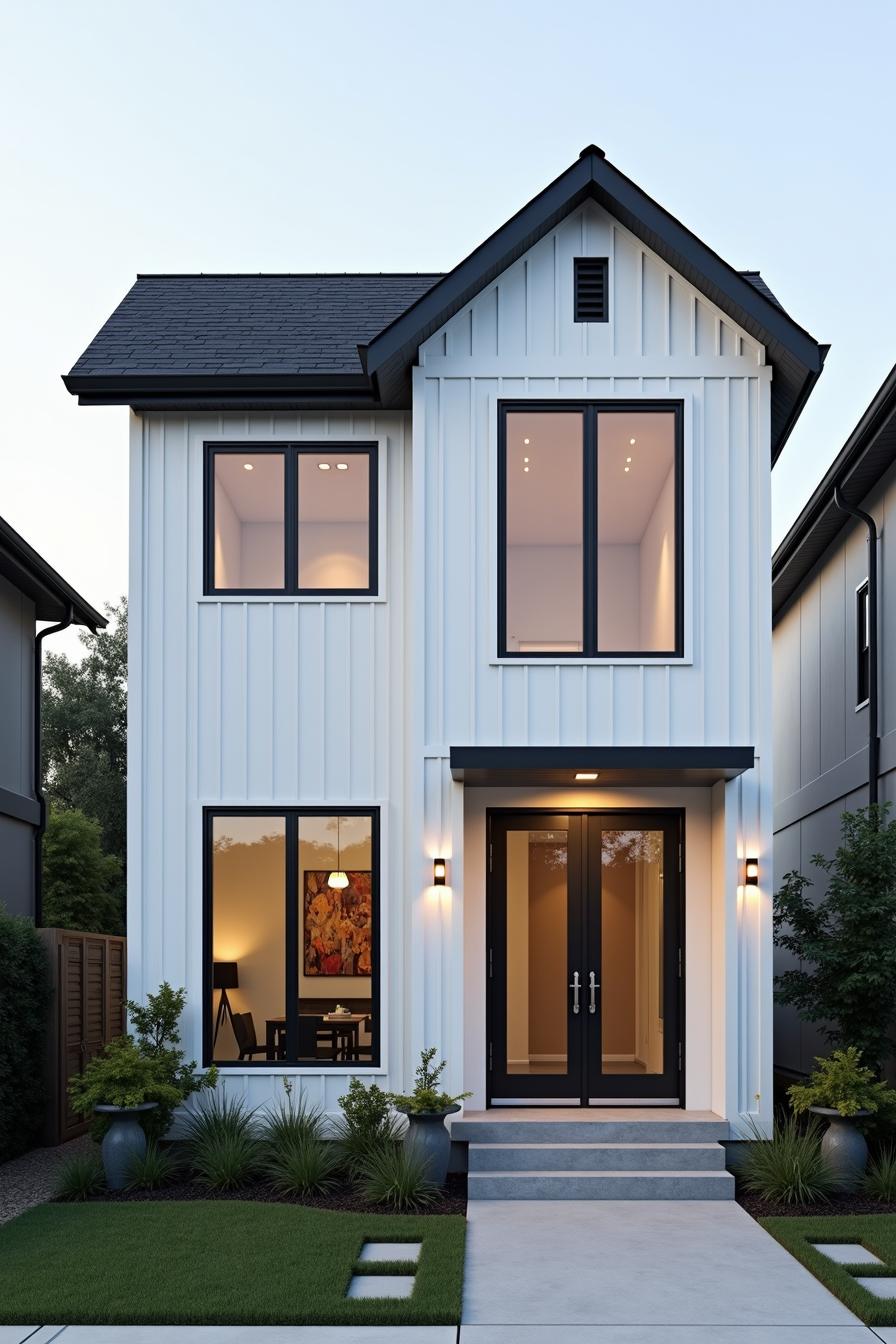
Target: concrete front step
(496, 1129)
(641, 1157)
(600, 1185)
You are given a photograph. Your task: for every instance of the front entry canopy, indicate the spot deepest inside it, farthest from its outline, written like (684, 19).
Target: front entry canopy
(589, 767)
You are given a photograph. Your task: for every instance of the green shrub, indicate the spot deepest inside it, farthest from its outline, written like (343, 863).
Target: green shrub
(157, 1024)
(394, 1174)
(153, 1169)
(427, 1095)
(79, 1177)
(367, 1123)
(788, 1168)
(82, 886)
(221, 1147)
(24, 1005)
(841, 1083)
(880, 1178)
(288, 1123)
(305, 1165)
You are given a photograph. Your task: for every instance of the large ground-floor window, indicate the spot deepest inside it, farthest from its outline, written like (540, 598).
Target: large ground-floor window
(292, 936)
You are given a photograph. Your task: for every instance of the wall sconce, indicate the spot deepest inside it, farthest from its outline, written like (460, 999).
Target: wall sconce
(751, 873)
(439, 872)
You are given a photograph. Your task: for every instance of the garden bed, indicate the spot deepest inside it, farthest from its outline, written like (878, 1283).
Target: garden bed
(234, 1261)
(844, 1206)
(345, 1198)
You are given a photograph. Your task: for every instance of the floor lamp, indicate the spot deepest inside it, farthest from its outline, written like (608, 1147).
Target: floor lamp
(224, 977)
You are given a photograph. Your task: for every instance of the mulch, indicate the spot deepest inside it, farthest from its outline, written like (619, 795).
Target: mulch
(344, 1199)
(837, 1205)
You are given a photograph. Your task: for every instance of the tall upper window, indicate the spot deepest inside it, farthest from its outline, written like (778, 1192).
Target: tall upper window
(591, 545)
(863, 644)
(294, 519)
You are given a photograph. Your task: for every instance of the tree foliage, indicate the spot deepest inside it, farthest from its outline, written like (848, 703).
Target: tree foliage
(84, 726)
(24, 1007)
(846, 941)
(82, 885)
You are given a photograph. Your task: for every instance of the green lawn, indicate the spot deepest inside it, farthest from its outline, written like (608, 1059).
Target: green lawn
(876, 1232)
(218, 1262)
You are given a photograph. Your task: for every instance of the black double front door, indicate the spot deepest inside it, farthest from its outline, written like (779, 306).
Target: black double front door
(584, 958)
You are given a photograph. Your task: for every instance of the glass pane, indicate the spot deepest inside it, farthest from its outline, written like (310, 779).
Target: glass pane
(537, 900)
(248, 936)
(631, 931)
(249, 497)
(544, 532)
(636, 532)
(335, 938)
(334, 520)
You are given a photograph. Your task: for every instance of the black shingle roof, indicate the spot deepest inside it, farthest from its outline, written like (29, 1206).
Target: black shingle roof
(246, 324)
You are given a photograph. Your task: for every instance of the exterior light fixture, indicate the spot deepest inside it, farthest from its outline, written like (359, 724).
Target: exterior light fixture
(751, 873)
(586, 774)
(247, 466)
(338, 879)
(439, 872)
(323, 466)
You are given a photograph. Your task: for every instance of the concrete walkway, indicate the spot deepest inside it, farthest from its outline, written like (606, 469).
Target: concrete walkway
(640, 1272)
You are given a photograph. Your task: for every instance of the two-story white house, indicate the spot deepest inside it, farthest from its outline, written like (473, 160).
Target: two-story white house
(450, 665)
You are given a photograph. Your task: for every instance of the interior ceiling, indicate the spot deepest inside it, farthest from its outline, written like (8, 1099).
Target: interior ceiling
(332, 496)
(545, 502)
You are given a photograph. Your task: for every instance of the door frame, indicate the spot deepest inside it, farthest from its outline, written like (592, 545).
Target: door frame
(676, 814)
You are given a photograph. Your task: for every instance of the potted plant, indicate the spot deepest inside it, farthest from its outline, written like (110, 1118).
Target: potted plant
(426, 1109)
(843, 1091)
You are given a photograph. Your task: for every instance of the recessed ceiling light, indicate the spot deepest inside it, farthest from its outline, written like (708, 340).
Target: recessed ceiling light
(631, 440)
(525, 459)
(525, 468)
(628, 468)
(247, 466)
(342, 466)
(628, 459)
(525, 440)
(586, 774)
(323, 466)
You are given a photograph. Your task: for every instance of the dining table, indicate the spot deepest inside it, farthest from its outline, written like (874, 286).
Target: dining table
(346, 1026)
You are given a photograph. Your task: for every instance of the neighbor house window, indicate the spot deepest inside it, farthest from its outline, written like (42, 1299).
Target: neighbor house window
(292, 937)
(863, 644)
(591, 544)
(293, 519)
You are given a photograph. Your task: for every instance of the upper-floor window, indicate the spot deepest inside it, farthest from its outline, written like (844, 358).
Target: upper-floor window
(590, 536)
(294, 519)
(863, 644)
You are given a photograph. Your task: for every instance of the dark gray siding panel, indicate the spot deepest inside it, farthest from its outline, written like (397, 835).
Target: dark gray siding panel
(17, 860)
(16, 680)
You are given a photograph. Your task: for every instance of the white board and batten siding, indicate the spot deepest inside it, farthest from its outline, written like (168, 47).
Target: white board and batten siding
(256, 701)
(517, 340)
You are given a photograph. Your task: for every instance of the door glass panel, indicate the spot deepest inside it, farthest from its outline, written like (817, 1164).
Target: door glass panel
(537, 915)
(631, 933)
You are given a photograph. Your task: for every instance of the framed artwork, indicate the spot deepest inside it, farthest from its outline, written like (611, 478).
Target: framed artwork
(337, 924)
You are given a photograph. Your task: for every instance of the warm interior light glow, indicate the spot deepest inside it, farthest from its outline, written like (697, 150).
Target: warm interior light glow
(247, 466)
(323, 466)
(338, 881)
(525, 440)
(342, 466)
(631, 441)
(586, 774)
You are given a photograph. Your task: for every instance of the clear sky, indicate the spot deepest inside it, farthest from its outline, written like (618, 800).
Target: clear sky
(216, 135)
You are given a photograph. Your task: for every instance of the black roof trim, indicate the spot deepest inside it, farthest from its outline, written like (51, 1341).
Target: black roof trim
(21, 565)
(797, 356)
(521, 766)
(867, 454)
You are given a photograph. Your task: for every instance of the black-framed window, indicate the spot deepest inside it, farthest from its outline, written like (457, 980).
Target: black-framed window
(590, 536)
(863, 643)
(295, 519)
(291, 918)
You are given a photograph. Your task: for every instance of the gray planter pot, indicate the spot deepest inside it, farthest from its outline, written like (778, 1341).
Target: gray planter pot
(124, 1141)
(428, 1136)
(844, 1146)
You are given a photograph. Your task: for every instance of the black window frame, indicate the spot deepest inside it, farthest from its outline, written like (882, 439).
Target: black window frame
(290, 451)
(590, 410)
(863, 644)
(292, 817)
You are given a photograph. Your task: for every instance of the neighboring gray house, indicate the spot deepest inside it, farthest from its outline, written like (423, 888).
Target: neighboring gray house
(834, 679)
(30, 591)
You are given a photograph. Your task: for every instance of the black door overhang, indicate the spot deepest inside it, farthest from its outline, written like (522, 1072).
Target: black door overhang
(557, 767)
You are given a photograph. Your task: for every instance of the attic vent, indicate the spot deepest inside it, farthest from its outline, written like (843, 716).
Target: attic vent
(591, 283)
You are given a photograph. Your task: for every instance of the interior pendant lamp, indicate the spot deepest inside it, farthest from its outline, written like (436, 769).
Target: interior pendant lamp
(338, 880)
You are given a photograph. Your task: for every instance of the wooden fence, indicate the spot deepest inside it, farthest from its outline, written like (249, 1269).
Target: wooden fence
(88, 1010)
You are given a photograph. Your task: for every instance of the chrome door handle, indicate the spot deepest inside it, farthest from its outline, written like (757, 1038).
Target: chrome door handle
(575, 991)
(593, 987)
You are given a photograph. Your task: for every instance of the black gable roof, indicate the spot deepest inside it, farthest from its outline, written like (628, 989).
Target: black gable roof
(247, 341)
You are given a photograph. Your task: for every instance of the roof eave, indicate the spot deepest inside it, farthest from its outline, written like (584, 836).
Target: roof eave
(52, 595)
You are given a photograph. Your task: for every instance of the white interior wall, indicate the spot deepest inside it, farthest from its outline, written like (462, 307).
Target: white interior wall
(656, 602)
(228, 540)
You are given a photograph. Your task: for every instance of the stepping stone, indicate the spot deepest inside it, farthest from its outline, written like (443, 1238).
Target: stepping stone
(384, 1285)
(878, 1287)
(377, 1251)
(846, 1253)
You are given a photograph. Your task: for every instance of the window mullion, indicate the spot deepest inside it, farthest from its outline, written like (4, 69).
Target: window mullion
(589, 524)
(291, 520)
(292, 937)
